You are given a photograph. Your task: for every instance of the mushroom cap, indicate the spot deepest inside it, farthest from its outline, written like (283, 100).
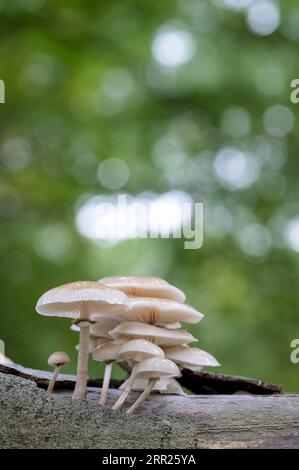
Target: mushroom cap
(156, 367)
(138, 350)
(190, 358)
(164, 385)
(100, 329)
(151, 310)
(58, 357)
(159, 336)
(107, 352)
(145, 286)
(68, 300)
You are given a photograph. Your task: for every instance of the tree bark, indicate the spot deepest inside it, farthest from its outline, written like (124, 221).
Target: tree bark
(30, 418)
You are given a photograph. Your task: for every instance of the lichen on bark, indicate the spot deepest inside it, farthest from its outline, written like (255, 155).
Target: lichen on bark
(30, 418)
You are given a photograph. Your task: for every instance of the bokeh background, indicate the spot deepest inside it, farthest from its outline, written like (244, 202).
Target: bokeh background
(169, 101)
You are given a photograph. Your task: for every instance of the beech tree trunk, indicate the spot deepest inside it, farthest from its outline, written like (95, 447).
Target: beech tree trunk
(30, 418)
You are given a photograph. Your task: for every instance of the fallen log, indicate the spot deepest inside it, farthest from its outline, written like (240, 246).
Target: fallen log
(30, 418)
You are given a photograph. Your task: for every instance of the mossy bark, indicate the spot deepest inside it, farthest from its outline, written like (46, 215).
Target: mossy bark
(30, 418)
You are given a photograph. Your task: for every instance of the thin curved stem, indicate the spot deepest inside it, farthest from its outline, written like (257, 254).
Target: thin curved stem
(53, 379)
(106, 382)
(82, 368)
(145, 394)
(119, 403)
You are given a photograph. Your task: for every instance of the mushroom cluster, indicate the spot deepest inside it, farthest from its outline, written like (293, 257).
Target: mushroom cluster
(130, 319)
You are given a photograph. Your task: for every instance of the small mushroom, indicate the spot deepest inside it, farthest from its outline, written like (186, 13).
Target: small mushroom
(108, 354)
(153, 369)
(58, 360)
(190, 358)
(136, 351)
(145, 286)
(152, 310)
(159, 336)
(85, 302)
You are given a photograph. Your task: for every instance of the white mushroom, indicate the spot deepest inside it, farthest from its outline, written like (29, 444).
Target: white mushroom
(108, 354)
(190, 358)
(85, 302)
(154, 334)
(152, 310)
(136, 351)
(145, 286)
(153, 369)
(58, 360)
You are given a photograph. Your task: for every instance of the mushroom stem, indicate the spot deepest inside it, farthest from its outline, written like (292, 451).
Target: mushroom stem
(119, 403)
(82, 368)
(106, 382)
(53, 378)
(146, 392)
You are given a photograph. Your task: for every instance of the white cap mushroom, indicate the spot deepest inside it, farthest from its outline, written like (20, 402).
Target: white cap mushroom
(166, 385)
(159, 336)
(145, 286)
(82, 300)
(153, 369)
(135, 350)
(151, 310)
(107, 353)
(190, 358)
(85, 302)
(58, 360)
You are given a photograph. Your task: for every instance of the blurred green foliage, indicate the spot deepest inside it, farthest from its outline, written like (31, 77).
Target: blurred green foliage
(166, 87)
